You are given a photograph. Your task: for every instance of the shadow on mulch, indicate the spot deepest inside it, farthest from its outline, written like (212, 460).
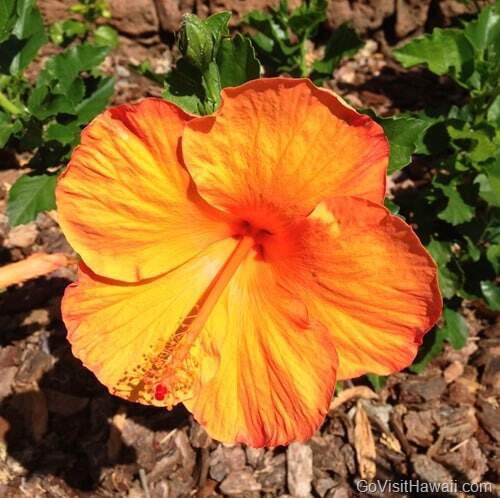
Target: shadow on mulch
(412, 90)
(61, 425)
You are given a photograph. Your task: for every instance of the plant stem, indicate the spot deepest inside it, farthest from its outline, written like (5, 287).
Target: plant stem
(211, 84)
(9, 106)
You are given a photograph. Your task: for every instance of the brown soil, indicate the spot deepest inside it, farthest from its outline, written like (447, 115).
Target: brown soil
(63, 435)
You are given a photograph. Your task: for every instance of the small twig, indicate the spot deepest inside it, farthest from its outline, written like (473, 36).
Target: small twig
(459, 445)
(204, 464)
(144, 483)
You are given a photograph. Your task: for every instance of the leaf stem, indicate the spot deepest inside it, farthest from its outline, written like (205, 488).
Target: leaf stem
(9, 106)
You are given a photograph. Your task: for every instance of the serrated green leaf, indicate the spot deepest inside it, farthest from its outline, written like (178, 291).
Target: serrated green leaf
(445, 51)
(489, 183)
(343, 43)
(456, 211)
(491, 293)
(65, 67)
(30, 195)
(218, 24)
(307, 16)
(44, 103)
(403, 133)
(455, 329)
(106, 36)
(484, 32)
(482, 147)
(273, 45)
(237, 62)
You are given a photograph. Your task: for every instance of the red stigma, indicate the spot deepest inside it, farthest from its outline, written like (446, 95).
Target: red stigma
(160, 392)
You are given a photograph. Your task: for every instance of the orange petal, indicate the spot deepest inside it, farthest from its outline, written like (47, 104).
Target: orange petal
(125, 332)
(126, 203)
(364, 274)
(286, 143)
(267, 369)
(33, 266)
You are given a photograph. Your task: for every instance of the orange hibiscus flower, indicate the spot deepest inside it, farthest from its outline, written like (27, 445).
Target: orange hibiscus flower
(241, 262)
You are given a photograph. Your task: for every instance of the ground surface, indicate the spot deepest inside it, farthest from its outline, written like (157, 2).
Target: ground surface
(63, 435)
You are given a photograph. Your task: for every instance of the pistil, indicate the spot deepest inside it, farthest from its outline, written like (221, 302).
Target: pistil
(174, 356)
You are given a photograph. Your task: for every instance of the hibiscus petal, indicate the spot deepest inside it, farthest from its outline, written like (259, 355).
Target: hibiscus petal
(126, 203)
(285, 143)
(267, 369)
(124, 332)
(364, 274)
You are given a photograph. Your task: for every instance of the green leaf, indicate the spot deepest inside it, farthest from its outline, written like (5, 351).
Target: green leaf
(343, 43)
(377, 381)
(30, 195)
(456, 211)
(237, 62)
(8, 128)
(145, 69)
(493, 115)
(472, 250)
(440, 252)
(92, 105)
(455, 329)
(66, 134)
(391, 206)
(445, 51)
(7, 18)
(493, 256)
(183, 87)
(448, 280)
(275, 49)
(403, 133)
(484, 32)
(217, 24)
(432, 346)
(64, 31)
(26, 37)
(307, 16)
(106, 36)
(491, 293)
(489, 183)
(56, 33)
(45, 102)
(482, 147)
(65, 67)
